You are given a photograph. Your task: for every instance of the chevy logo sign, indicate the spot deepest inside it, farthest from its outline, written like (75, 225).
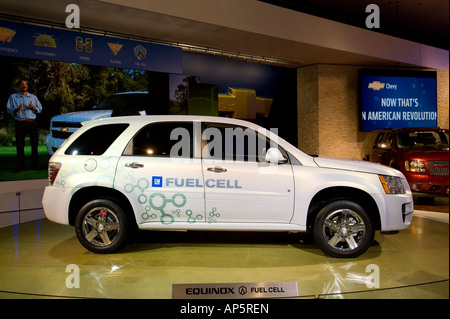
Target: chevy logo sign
(376, 85)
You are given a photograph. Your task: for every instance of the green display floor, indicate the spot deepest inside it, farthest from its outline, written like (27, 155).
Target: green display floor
(40, 259)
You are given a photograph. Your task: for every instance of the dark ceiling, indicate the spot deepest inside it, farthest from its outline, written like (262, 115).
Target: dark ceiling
(422, 21)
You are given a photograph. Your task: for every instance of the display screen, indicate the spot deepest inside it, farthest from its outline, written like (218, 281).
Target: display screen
(397, 99)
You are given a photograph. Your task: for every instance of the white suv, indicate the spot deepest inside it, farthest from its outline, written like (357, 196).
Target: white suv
(211, 173)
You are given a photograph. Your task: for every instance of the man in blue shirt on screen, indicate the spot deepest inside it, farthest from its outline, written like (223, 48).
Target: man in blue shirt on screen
(24, 106)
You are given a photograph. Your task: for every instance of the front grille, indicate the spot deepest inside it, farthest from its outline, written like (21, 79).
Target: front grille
(438, 167)
(64, 129)
(438, 170)
(59, 134)
(66, 124)
(437, 163)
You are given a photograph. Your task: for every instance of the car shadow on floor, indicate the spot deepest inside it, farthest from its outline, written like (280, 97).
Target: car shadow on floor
(208, 248)
(147, 240)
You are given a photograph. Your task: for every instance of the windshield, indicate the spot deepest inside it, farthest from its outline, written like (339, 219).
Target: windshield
(423, 139)
(122, 100)
(125, 104)
(106, 104)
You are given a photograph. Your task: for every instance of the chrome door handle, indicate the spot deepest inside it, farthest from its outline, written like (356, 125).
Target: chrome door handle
(216, 169)
(134, 165)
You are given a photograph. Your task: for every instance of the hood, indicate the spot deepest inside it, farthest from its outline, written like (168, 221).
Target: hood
(426, 154)
(83, 116)
(356, 166)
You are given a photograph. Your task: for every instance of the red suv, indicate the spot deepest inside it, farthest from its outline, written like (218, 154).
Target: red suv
(421, 154)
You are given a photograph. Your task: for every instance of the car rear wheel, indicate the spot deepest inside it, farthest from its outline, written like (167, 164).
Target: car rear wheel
(343, 229)
(101, 226)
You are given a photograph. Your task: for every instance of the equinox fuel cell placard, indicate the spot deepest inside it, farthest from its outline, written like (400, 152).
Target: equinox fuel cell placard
(235, 290)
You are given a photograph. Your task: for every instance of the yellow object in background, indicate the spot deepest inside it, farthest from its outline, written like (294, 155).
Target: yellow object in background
(244, 104)
(6, 35)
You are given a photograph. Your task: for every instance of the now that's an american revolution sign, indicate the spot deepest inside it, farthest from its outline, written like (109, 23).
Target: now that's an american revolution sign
(397, 99)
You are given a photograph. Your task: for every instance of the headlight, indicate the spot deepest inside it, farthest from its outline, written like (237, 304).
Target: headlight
(415, 166)
(392, 184)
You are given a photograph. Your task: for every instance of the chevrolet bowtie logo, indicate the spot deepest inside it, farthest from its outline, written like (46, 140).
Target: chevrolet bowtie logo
(376, 86)
(63, 129)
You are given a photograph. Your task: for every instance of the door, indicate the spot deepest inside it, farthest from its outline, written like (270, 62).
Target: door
(381, 148)
(240, 186)
(162, 176)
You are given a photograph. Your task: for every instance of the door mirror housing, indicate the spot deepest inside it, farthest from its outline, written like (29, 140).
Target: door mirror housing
(274, 155)
(383, 146)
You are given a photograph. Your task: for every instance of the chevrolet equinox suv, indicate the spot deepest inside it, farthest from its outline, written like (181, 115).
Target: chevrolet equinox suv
(210, 173)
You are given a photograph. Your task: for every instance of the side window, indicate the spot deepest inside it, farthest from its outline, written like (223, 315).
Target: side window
(378, 140)
(164, 139)
(235, 143)
(96, 140)
(388, 141)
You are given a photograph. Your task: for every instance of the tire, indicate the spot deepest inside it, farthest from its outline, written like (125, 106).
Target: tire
(343, 229)
(101, 226)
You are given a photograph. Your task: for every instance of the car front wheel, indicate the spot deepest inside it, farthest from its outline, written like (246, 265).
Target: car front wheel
(101, 226)
(343, 229)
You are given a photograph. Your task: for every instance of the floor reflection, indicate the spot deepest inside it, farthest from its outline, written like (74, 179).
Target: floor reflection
(34, 260)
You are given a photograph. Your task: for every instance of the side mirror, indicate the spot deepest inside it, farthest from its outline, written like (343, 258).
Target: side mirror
(383, 146)
(274, 155)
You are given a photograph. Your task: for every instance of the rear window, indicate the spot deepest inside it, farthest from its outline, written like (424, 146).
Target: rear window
(96, 140)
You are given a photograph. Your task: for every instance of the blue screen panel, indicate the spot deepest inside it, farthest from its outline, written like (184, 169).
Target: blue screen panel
(397, 99)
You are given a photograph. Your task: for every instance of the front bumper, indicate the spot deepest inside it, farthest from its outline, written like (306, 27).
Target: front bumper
(398, 212)
(53, 143)
(428, 184)
(430, 188)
